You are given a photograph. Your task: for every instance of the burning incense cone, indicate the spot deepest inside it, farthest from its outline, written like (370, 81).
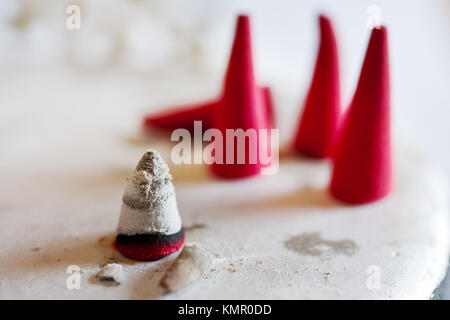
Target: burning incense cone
(242, 107)
(362, 158)
(192, 262)
(149, 226)
(319, 121)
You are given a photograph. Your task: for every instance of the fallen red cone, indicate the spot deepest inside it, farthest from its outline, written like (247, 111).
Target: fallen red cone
(319, 121)
(362, 158)
(150, 225)
(184, 116)
(242, 107)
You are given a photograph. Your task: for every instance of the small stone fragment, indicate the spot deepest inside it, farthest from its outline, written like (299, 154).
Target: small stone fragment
(192, 263)
(111, 272)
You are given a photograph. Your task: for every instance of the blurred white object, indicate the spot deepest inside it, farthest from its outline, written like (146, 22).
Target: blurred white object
(9, 9)
(140, 36)
(43, 43)
(147, 44)
(91, 48)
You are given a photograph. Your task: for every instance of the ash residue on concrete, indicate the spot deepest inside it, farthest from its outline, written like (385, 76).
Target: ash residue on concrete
(311, 244)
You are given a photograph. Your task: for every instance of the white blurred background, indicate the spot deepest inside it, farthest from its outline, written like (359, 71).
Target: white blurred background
(164, 39)
(78, 92)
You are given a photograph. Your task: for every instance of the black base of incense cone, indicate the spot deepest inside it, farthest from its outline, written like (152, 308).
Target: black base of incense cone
(149, 247)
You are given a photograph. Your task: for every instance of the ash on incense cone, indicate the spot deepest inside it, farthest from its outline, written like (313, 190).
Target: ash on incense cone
(192, 263)
(150, 225)
(362, 156)
(112, 272)
(319, 121)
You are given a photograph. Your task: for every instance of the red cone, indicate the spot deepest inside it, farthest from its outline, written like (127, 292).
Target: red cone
(318, 124)
(362, 158)
(268, 102)
(242, 107)
(183, 117)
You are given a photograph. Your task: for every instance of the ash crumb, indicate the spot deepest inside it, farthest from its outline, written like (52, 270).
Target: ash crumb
(231, 270)
(111, 272)
(36, 249)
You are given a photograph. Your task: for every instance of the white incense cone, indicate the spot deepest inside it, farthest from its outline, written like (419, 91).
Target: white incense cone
(150, 225)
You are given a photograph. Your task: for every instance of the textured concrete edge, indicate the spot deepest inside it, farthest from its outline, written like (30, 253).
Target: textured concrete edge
(442, 188)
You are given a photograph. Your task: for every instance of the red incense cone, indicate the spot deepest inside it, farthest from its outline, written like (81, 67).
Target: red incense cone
(242, 107)
(362, 158)
(318, 123)
(183, 117)
(268, 102)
